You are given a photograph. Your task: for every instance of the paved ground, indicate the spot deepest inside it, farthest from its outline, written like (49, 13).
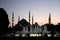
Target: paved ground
(28, 38)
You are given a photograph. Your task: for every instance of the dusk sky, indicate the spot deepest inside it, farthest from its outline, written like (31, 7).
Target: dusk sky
(38, 8)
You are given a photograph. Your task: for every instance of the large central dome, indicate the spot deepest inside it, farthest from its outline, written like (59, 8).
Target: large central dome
(23, 22)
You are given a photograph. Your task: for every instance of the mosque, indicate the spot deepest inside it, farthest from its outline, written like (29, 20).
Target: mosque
(29, 28)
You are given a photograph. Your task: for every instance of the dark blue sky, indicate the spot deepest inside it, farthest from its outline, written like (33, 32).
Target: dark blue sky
(38, 8)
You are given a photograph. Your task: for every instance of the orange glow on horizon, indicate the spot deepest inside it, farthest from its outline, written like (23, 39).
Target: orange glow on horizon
(43, 21)
(53, 21)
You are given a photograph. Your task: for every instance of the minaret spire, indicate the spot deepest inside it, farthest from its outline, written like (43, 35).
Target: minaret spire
(29, 16)
(12, 19)
(29, 22)
(49, 18)
(32, 20)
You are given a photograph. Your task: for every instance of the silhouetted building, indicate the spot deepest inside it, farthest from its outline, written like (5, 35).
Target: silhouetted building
(52, 29)
(58, 27)
(23, 23)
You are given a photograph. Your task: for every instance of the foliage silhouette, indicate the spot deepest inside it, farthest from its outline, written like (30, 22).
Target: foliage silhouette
(4, 22)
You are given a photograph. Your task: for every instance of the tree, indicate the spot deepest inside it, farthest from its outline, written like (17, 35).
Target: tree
(4, 22)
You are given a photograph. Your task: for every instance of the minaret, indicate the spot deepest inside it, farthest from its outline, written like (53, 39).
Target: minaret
(18, 18)
(49, 18)
(29, 22)
(32, 20)
(12, 19)
(29, 16)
